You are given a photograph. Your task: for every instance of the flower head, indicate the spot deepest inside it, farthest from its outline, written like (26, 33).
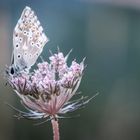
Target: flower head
(46, 92)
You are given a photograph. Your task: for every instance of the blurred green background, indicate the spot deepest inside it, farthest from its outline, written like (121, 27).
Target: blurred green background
(108, 34)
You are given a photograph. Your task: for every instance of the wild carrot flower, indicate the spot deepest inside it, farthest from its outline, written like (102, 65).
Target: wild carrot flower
(46, 92)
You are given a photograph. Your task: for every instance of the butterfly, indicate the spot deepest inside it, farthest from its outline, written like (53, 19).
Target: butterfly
(28, 41)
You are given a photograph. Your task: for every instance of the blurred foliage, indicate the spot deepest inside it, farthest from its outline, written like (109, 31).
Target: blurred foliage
(109, 37)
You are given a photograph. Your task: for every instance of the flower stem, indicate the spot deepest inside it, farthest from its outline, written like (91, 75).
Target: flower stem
(55, 127)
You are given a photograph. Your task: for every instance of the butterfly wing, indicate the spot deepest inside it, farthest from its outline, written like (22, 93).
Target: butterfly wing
(28, 39)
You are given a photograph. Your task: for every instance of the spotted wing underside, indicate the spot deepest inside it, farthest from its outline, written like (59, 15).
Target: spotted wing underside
(28, 39)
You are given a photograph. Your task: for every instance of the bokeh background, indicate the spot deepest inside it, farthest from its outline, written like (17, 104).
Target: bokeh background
(107, 32)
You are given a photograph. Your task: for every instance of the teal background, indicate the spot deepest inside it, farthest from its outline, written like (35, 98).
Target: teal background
(108, 35)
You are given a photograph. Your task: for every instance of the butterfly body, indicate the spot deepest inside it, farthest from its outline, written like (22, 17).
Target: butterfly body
(28, 41)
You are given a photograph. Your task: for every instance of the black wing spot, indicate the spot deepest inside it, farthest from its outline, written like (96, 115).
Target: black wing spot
(32, 43)
(16, 35)
(25, 33)
(17, 45)
(12, 71)
(19, 56)
(20, 39)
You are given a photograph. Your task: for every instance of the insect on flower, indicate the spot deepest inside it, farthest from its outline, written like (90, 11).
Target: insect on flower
(45, 92)
(28, 41)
